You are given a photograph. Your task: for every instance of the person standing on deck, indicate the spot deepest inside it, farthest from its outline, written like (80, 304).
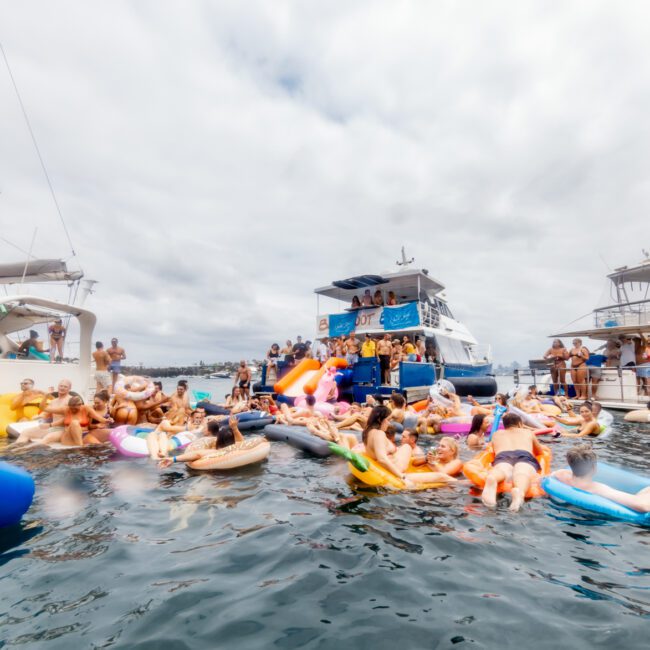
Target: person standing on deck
(369, 348)
(299, 349)
(117, 354)
(321, 350)
(384, 352)
(102, 362)
(352, 349)
(57, 338)
(243, 376)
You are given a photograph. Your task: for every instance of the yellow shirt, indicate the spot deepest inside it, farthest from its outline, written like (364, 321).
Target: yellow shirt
(368, 349)
(409, 348)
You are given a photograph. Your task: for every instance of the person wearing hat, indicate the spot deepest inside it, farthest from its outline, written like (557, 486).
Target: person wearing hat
(57, 338)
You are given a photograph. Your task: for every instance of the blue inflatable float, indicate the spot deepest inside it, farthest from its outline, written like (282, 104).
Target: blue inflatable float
(16, 493)
(616, 478)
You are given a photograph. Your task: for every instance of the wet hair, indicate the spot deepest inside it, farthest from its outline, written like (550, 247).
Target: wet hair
(477, 423)
(582, 459)
(158, 383)
(103, 395)
(511, 420)
(377, 416)
(398, 400)
(222, 432)
(99, 344)
(310, 400)
(75, 400)
(452, 443)
(413, 434)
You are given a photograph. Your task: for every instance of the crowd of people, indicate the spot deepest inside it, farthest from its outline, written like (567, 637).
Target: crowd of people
(585, 368)
(388, 351)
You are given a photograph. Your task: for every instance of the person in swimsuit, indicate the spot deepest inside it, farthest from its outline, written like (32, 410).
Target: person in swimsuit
(32, 342)
(356, 303)
(481, 425)
(558, 354)
(28, 396)
(384, 351)
(392, 300)
(589, 425)
(179, 405)
(219, 436)
(52, 407)
(410, 438)
(366, 301)
(287, 350)
(515, 449)
(579, 372)
(445, 459)
(487, 409)
(117, 354)
(243, 378)
(158, 439)
(378, 448)
(352, 345)
(99, 430)
(583, 461)
(272, 358)
(378, 299)
(76, 419)
(399, 413)
(57, 338)
(102, 362)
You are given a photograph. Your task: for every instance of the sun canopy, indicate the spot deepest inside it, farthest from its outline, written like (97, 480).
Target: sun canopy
(404, 284)
(640, 273)
(37, 271)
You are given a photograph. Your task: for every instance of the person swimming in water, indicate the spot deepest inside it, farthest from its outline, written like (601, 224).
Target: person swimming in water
(515, 448)
(479, 428)
(586, 421)
(583, 462)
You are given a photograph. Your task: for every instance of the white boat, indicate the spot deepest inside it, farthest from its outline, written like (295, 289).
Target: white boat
(626, 315)
(22, 312)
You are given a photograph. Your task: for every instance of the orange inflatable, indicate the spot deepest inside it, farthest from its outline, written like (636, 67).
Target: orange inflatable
(476, 470)
(335, 362)
(294, 374)
(421, 405)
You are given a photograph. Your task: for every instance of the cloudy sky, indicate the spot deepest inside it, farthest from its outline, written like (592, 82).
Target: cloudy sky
(216, 161)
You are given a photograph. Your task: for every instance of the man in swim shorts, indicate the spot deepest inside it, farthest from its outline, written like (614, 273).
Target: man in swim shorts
(243, 376)
(515, 449)
(582, 460)
(102, 361)
(116, 353)
(384, 352)
(352, 345)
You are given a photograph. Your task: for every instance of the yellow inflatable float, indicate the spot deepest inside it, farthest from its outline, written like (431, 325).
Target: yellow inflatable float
(8, 415)
(371, 473)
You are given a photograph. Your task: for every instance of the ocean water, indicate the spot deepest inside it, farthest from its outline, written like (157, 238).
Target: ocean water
(290, 554)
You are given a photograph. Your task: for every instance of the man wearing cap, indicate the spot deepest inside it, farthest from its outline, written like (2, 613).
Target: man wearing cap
(116, 353)
(57, 338)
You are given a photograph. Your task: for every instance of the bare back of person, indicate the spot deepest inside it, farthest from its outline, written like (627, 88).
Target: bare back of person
(102, 360)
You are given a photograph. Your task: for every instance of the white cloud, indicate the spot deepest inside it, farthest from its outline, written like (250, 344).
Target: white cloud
(216, 162)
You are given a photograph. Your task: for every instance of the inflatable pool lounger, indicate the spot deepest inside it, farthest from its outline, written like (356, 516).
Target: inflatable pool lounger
(616, 478)
(299, 438)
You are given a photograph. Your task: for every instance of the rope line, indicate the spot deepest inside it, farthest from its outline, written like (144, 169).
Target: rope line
(38, 151)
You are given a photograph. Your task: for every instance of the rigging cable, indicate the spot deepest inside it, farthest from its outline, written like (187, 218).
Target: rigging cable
(38, 151)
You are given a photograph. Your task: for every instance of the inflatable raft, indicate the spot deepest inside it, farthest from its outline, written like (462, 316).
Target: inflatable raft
(298, 437)
(616, 478)
(131, 441)
(476, 470)
(371, 473)
(252, 450)
(16, 493)
(250, 420)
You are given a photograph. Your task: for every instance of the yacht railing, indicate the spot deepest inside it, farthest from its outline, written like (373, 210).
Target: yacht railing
(429, 315)
(629, 314)
(627, 384)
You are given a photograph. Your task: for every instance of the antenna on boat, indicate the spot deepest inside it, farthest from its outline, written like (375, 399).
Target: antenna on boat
(404, 261)
(86, 289)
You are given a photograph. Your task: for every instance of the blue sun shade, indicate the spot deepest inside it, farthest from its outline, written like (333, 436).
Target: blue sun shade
(360, 282)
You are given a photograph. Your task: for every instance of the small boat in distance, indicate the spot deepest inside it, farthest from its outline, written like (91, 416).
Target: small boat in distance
(220, 375)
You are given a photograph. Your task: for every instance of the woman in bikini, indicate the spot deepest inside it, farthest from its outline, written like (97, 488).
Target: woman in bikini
(76, 419)
(479, 428)
(579, 355)
(99, 430)
(57, 339)
(287, 350)
(379, 449)
(558, 354)
(586, 421)
(445, 458)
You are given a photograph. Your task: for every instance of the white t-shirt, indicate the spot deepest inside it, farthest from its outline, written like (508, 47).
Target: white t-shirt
(627, 354)
(322, 352)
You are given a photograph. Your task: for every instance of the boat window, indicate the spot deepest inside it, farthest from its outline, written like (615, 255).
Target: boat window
(452, 350)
